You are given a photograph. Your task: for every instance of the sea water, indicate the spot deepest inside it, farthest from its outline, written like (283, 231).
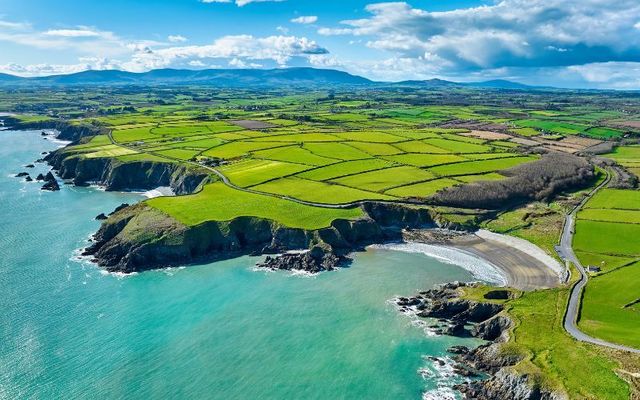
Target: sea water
(218, 331)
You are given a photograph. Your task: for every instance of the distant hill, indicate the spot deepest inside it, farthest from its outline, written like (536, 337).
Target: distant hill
(9, 78)
(441, 83)
(214, 77)
(500, 84)
(281, 77)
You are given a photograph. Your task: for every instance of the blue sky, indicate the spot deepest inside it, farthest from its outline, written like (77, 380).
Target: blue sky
(569, 43)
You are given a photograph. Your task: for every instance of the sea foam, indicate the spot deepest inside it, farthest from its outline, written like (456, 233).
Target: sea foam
(481, 269)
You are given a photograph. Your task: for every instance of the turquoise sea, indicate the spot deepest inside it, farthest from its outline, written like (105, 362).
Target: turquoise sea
(217, 331)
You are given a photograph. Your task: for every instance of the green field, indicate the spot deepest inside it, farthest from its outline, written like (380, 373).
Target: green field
(549, 355)
(611, 306)
(607, 233)
(229, 204)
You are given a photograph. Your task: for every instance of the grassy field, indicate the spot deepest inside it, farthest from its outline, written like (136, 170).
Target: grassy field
(611, 306)
(229, 204)
(549, 355)
(607, 233)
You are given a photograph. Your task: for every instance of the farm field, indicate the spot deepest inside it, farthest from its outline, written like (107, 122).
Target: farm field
(607, 233)
(229, 204)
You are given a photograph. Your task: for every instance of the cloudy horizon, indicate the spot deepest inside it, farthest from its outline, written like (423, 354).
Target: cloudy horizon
(575, 44)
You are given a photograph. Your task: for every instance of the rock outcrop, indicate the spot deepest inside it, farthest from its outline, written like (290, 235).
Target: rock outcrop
(313, 261)
(487, 321)
(50, 183)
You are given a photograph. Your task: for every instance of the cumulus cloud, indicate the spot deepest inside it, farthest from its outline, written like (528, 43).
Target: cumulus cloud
(240, 3)
(278, 49)
(176, 38)
(305, 19)
(512, 33)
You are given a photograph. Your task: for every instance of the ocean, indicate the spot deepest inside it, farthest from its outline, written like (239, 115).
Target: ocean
(217, 331)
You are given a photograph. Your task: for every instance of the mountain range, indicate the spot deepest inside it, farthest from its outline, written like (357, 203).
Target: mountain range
(281, 77)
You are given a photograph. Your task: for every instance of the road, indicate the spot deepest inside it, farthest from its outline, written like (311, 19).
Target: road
(565, 250)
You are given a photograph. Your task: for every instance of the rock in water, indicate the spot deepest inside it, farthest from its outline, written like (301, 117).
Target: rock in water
(100, 217)
(28, 179)
(22, 174)
(51, 183)
(29, 166)
(313, 261)
(120, 207)
(40, 177)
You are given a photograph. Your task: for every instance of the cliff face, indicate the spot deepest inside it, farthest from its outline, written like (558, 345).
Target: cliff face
(66, 130)
(489, 322)
(117, 175)
(140, 237)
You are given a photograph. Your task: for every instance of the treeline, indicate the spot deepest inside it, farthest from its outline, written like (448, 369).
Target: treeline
(538, 180)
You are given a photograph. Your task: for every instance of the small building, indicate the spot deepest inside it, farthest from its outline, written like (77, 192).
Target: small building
(593, 268)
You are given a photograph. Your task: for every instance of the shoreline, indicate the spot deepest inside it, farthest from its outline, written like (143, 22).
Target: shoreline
(521, 264)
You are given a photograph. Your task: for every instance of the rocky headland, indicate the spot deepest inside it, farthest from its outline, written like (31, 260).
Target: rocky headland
(141, 237)
(489, 321)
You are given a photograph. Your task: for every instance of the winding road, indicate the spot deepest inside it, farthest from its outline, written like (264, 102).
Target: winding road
(565, 251)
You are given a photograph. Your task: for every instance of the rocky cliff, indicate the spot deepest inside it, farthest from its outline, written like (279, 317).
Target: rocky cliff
(66, 130)
(141, 237)
(115, 174)
(487, 321)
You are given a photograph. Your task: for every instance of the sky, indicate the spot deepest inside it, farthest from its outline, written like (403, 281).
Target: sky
(564, 43)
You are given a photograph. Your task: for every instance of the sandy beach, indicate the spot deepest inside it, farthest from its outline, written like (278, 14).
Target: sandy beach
(522, 264)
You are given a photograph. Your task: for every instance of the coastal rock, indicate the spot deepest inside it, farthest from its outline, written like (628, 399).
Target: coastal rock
(100, 217)
(487, 322)
(29, 166)
(21, 174)
(51, 184)
(507, 384)
(28, 179)
(119, 208)
(40, 177)
(313, 261)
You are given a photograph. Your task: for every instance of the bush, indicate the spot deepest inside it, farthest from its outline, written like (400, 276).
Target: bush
(538, 180)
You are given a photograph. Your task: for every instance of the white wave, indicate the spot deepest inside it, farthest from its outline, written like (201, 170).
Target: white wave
(481, 269)
(59, 142)
(443, 393)
(158, 192)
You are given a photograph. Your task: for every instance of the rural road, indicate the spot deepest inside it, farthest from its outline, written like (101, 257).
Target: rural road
(565, 250)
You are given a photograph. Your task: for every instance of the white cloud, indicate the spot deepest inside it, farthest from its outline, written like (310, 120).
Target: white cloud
(176, 38)
(74, 33)
(240, 3)
(247, 48)
(305, 19)
(14, 25)
(282, 29)
(512, 33)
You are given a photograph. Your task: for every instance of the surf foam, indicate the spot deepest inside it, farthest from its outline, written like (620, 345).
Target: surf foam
(481, 269)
